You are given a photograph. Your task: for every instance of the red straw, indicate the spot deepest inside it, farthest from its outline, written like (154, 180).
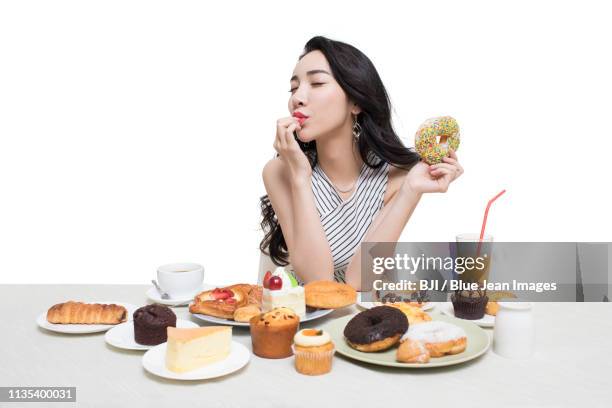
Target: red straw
(484, 221)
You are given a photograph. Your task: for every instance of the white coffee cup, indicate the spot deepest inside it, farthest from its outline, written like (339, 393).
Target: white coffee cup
(514, 333)
(180, 280)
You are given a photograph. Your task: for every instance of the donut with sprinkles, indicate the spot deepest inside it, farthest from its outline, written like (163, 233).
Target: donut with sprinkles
(435, 137)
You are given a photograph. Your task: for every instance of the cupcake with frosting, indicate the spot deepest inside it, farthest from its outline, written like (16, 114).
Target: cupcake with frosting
(313, 351)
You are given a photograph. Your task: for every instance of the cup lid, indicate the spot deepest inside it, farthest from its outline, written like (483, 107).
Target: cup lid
(473, 237)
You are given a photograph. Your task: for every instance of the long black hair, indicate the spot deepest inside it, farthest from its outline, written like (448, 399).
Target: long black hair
(359, 79)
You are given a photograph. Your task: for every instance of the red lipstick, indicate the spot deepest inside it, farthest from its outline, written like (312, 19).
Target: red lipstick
(300, 117)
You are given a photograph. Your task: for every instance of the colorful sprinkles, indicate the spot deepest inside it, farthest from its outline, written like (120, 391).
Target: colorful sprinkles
(435, 136)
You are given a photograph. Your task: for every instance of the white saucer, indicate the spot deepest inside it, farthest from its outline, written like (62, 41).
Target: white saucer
(368, 305)
(41, 320)
(486, 321)
(217, 320)
(122, 336)
(154, 361)
(153, 294)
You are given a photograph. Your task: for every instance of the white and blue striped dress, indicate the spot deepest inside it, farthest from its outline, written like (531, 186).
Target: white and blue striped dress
(346, 222)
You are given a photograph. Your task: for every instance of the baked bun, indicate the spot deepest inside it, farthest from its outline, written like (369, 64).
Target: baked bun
(245, 313)
(329, 295)
(414, 313)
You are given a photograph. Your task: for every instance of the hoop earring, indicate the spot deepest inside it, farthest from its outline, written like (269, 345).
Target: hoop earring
(356, 129)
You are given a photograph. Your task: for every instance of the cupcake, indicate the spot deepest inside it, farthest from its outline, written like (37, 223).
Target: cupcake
(470, 304)
(150, 324)
(272, 332)
(314, 351)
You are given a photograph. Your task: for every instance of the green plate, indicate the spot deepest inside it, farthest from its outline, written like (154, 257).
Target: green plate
(478, 343)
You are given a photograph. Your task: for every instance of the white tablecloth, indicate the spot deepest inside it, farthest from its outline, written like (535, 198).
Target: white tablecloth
(572, 365)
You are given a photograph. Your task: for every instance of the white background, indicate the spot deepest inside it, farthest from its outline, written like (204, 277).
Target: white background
(134, 133)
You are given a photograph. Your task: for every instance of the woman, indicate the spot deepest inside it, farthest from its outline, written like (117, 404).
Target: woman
(342, 175)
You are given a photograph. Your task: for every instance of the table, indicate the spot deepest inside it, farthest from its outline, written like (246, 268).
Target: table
(572, 365)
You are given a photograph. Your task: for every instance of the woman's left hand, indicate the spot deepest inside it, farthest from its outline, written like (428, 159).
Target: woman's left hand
(435, 178)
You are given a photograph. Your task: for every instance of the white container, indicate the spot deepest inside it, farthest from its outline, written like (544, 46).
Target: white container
(514, 333)
(180, 280)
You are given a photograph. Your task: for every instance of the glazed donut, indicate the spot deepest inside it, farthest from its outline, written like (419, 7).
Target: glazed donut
(376, 329)
(435, 136)
(439, 337)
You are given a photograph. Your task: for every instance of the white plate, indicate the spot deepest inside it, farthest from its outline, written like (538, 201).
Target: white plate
(153, 294)
(309, 316)
(154, 361)
(84, 328)
(122, 336)
(486, 321)
(368, 305)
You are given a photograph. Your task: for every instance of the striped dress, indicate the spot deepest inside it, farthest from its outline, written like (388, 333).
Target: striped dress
(346, 222)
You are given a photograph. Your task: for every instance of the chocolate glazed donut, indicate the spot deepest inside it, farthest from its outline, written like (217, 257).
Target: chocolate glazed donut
(376, 329)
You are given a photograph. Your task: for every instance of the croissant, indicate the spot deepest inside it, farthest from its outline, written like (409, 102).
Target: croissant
(86, 313)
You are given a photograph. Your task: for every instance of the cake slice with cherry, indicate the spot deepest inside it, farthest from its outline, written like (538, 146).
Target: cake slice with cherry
(281, 289)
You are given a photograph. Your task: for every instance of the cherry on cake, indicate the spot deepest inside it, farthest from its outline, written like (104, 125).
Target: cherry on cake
(189, 349)
(281, 289)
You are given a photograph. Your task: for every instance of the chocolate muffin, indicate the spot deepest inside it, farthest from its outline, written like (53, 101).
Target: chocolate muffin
(150, 323)
(469, 305)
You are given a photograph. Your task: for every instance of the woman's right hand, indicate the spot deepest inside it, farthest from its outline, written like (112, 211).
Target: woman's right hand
(289, 149)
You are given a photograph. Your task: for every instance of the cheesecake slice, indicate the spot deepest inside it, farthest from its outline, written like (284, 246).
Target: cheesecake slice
(188, 349)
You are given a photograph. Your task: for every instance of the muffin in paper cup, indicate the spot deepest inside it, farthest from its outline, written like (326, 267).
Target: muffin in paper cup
(469, 306)
(314, 352)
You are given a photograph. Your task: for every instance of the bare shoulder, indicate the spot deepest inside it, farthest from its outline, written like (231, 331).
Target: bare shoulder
(396, 177)
(273, 168)
(274, 174)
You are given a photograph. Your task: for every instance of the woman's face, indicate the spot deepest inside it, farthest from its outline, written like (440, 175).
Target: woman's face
(316, 94)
